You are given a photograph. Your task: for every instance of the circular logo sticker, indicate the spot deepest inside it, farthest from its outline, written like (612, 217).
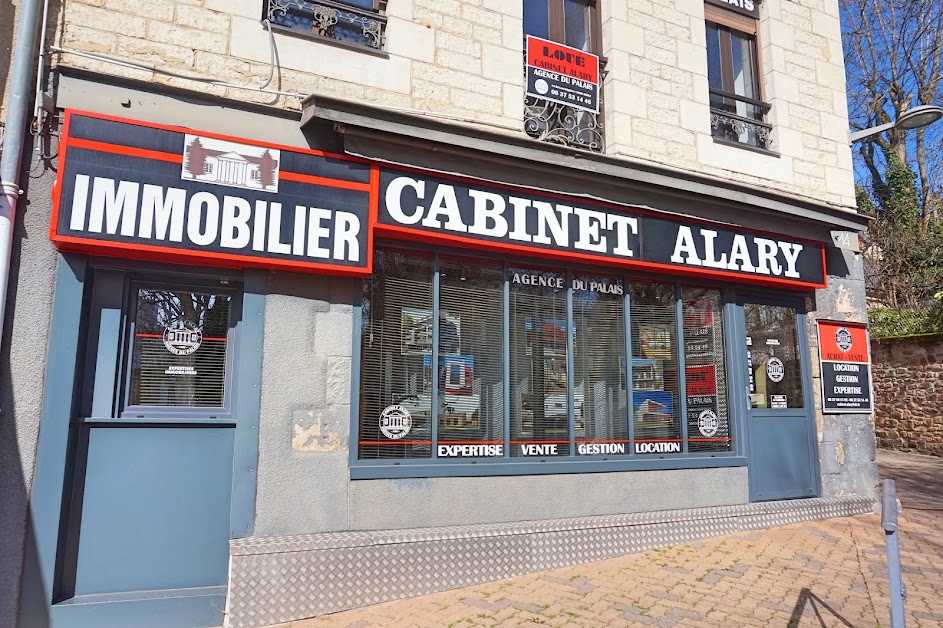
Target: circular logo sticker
(541, 86)
(182, 338)
(395, 422)
(843, 339)
(707, 423)
(775, 369)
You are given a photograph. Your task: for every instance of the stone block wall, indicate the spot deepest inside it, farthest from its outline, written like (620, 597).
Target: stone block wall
(908, 393)
(462, 59)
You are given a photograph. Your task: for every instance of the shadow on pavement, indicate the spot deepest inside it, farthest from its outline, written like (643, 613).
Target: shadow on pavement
(806, 597)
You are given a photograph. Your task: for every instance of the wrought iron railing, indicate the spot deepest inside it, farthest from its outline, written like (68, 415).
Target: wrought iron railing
(740, 119)
(562, 124)
(337, 21)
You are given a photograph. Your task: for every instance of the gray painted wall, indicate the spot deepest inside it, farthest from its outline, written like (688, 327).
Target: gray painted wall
(305, 413)
(22, 366)
(424, 502)
(846, 441)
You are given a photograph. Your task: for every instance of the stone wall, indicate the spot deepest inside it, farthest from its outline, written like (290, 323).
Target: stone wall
(462, 59)
(908, 393)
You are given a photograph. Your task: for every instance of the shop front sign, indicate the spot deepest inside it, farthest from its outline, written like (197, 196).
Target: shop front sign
(844, 354)
(138, 190)
(450, 210)
(166, 194)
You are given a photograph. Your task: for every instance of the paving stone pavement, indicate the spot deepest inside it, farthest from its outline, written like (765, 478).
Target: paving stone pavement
(824, 573)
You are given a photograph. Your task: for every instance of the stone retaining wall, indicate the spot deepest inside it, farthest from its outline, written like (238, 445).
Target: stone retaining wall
(908, 393)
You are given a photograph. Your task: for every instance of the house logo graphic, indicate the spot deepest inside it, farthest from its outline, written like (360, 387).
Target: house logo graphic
(230, 163)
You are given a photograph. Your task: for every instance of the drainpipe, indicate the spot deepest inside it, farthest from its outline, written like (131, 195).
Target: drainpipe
(15, 135)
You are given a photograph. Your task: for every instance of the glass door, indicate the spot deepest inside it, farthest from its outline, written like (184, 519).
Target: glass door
(783, 460)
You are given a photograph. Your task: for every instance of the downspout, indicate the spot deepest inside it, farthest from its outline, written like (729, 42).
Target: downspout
(14, 137)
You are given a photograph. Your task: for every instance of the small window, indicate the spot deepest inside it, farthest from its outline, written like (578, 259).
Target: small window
(738, 113)
(180, 348)
(353, 23)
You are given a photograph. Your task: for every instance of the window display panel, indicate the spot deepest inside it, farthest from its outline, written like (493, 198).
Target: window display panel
(775, 368)
(655, 402)
(471, 358)
(179, 349)
(539, 406)
(704, 371)
(396, 357)
(599, 404)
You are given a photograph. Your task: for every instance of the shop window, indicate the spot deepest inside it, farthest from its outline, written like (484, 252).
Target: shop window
(738, 113)
(773, 357)
(353, 23)
(540, 409)
(475, 358)
(471, 357)
(180, 349)
(705, 371)
(396, 357)
(574, 23)
(655, 400)
(600, 397)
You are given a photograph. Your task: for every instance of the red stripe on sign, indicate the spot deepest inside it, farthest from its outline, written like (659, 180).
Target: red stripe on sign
(333, 183)
(171, 255)
(130, 151)
(395, 442)
(219, 136)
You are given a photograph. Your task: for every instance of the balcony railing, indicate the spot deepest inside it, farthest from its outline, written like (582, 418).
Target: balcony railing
(562, 124)
(740, 119)
(336, 21)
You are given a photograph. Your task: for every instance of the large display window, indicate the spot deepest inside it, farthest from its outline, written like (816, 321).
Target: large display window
(469, 359)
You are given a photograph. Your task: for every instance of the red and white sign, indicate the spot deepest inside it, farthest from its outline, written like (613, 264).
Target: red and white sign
(562, 74)
(844, 355)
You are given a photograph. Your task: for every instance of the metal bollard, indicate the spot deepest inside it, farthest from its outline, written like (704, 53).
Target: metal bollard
(889, 523)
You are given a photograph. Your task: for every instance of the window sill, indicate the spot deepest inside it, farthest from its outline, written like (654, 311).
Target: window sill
(755, 149)
(374, 470)
(340, 43)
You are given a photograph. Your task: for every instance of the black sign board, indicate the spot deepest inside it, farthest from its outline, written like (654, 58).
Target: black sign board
(846, 367)
(169, 194)
(474, 213)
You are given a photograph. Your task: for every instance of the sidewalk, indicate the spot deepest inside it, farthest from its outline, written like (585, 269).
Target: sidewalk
(825, 573)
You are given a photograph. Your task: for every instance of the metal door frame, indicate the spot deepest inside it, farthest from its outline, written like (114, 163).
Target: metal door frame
(808, 411)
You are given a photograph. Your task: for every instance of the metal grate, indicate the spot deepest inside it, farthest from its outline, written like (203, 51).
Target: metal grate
(359, 23)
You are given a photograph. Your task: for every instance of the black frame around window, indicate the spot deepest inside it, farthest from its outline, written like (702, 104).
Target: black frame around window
(738, 112)
(131, 357)
(552, 352)
(356, 24)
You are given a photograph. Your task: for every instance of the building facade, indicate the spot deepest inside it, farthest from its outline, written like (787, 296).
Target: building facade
(348, 301)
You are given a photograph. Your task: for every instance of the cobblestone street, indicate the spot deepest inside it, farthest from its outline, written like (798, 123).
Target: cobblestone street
(825, 573)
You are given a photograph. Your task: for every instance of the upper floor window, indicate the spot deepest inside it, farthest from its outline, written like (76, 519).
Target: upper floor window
(574, 23)
(569, 22)
(738, 113)
(355, 23)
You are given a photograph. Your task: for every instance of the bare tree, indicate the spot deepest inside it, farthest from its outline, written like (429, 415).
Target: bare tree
(894, 61)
